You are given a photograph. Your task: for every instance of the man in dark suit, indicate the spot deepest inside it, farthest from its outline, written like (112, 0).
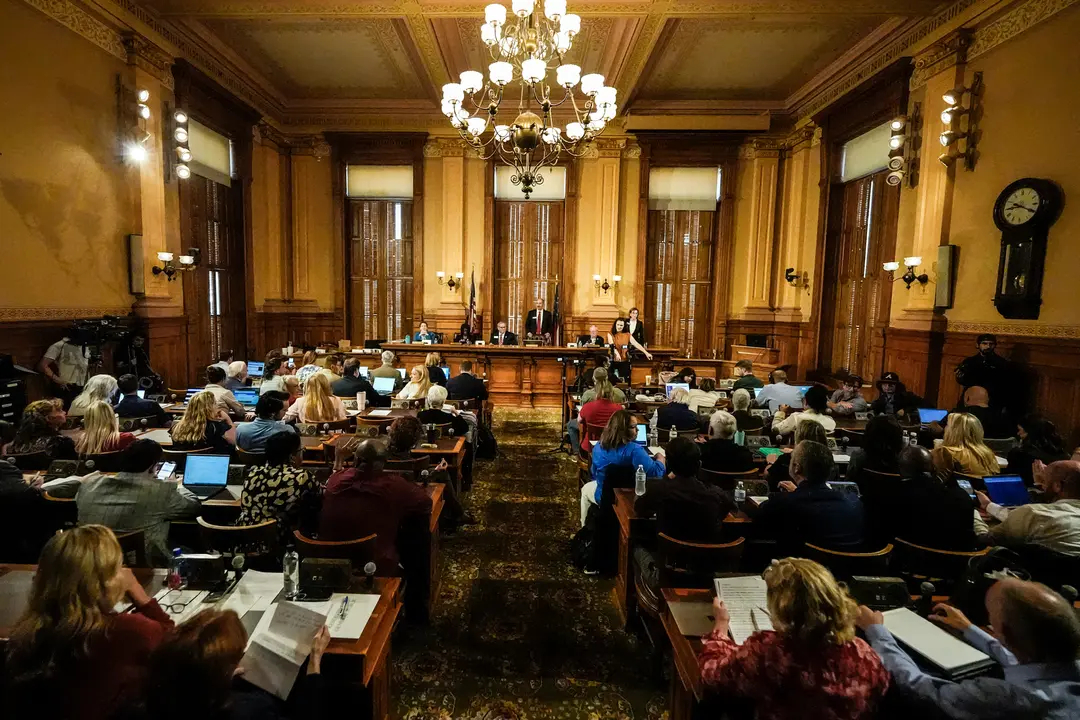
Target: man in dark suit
(502, 337)
(352, 382)
(466, 386)
(539, 322)
(593, 338)
(807, 510)
(133, 406)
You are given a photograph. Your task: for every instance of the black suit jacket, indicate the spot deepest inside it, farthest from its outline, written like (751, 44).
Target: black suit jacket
(510, 339)
(725, 456)
(133, 406)
(466, 386)
(677, 414)
(639, 332)
(348, 387)
(584, 340)
(813, 514)
(436, 375)
(685, 508)
(546, 327)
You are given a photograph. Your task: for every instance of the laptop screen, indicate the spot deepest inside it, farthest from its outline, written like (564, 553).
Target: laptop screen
(672, 387)
(212, 470)
(757, 391)
(929, 415)
(247, 397)
(642, 434)
(141, 394)
(191, 393)
(1007, 490)
(383, 385)
(401, 372)
(802, 389)
(255, 369)
(363, 371)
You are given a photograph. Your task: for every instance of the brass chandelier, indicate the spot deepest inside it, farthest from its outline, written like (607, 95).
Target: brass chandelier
(523, 47)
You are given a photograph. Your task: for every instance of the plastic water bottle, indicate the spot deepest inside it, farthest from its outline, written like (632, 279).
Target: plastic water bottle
(740, 493)
(654, 436)
(740, 438)
(639, 481)
(176, 571)
(291, 567)
(654, 421)
(672, 433)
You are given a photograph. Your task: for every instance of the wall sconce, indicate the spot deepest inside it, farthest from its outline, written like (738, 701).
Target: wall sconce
(605, 286)
(908, 277)
(451, 283)
(169, 270)
(794, 279)
(951, 117)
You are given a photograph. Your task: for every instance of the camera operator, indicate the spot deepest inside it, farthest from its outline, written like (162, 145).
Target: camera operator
(66, 364)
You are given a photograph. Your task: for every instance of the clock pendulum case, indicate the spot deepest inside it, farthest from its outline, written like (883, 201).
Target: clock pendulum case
(1024, 212)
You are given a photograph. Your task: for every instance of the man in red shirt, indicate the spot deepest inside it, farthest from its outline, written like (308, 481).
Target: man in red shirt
(597, 412)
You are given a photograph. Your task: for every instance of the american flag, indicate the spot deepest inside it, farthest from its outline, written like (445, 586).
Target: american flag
(555, 320)
(470, 315)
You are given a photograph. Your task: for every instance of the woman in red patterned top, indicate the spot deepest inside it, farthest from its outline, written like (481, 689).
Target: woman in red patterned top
(812, 667)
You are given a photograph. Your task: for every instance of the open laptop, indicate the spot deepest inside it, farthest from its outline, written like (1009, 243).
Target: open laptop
(383, 385)
(401, 372)
(757, 392)
(363, 371)
(206, 475)
(802, 389)
(929, 415)
(249, 398)
(255, 368)
(670, 388)
(1007, 490)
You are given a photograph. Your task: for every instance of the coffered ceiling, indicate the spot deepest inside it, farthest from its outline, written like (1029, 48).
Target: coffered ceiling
(351, 62)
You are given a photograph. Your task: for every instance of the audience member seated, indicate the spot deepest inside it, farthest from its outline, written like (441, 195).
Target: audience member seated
(685, 508)
(39, 431)
(676, 413)
(1053, 524)
(71, 655)
(704, 395)
(274, 372)
(503, 337)
(236, 376)
(594, 338)
(424, 334)
(807, 510)
(848, 399)
(893, 398)
(101, 431)
(1036, 640)
(740, 404)
(810, 666)
(318, 404)
(919, 507)
(596, 412)
(465, 385)
(815, 404)
(686, 375)
(279, 490)
(720, 453)
(778, 467)
(225, 358)
(745, 378)
(976, 402)
(133, 406)
(882, 441)
(215, 379)
(308, 367)
(99, 387)
(335, 366)
(203, 425)
(435, 414)
(404, 434)
(352, 383)
(963, 449)
(436, 374)
(779, 393)
(387, 369)
(1039, 440)
(418, 385)
(24, 525)
(195, 673)
(617, 448)
(293, 392)
(269, 413)
(599, 375)
(135, 500)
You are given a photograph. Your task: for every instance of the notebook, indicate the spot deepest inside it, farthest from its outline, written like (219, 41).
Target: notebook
(206, 475)
(694, 619)
(383, 385)
(952, 657)
(929, 415)
(1007, 490)
(746, 599)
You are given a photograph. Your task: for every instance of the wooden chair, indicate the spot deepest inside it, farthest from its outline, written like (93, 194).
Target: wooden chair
(414, 404)
(694, 565)
(1001, 446)
(441, 430)
(180, 456)
(62, 512)
(243, 457)
(942, 567)
(30, 462)
(410, 468)
(259, 543)
(133, 546)
(688, 434)
(360, 552)
(103, 462)
(727, 480)
(845, 564)
(379, 423)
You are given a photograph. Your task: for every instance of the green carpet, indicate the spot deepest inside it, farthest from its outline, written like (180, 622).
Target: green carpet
(519, 633)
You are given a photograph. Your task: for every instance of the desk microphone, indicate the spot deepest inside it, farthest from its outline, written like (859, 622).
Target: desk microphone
(926, 599)
(369, 571)
(238, 565)
(425, 477)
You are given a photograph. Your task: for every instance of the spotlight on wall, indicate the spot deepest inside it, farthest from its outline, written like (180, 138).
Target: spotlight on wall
(169, 270)
(180, 117)
(951, 118)
(898, 144)
(181, 135)
(183, 154)
(183, 172)
(142, 95)
(137, 153)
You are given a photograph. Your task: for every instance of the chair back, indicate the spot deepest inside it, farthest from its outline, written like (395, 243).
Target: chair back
(243, 457)
(688, 434)
(607, 525)
(921, 562)
(180, 456)
(411, 468)
(133, 546)
(846, 564)
(62, 512)
(30, 462)
(374, 422)
(103, 462)
(260, 540)
(727, 480)
(413, 404)
(694, 565)
(365, 431)
(360, 551)
(1001, 446)
(1049, 567)
(441, 429)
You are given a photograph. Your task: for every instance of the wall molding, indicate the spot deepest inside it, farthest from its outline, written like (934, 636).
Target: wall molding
(84, 24)
(1035, 330)
(1014, 22)
(10, 314)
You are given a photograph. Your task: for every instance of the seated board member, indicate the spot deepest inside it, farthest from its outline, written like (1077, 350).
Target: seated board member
(593, 339)
(387, 370)
(810, 666)
(720, 453)
(133, 406)
(352, 383)
(465, 385)
(135, 500)
(423, 333)
(274, 372)
(1036, 639)
(418, 385)
(269, 420)
(101, 431)
(436, 374)
(847, 399)
(778, 467)
(318, 404)
(204, 425)
(435, 413)
(807, 510)
(704, 396)
(779, 393)
(100, 387)
(501, 336)
(279, 489)
(815, 408)
(745, 378)
(236, 376)
(1053, 524)
(963, 449)
(71, 655)
(677, 413)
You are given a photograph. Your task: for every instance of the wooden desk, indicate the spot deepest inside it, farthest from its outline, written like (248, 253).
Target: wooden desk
(436, 491)
(720, 369)
(687, 690)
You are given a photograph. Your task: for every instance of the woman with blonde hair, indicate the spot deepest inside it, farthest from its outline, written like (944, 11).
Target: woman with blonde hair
(204, 424)
(963, 449)
(71, 655)
(810, 665)
(308, 368)
(101, 431)
(318, 403)
(418, 386)
(436, 374)
(39, 431)
(99, 387)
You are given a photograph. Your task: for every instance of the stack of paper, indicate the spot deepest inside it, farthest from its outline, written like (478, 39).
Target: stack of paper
(280, 644)
(379, 413)
(952, 657)
(746, 599)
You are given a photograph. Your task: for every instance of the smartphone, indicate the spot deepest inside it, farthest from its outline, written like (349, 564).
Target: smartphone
(292, 363)
(165, 470)
(966, 486)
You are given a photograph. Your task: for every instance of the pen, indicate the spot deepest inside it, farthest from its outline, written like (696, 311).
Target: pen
(344, 608)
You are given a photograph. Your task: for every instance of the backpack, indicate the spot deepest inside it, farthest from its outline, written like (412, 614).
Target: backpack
(486, 447)
(583, 544)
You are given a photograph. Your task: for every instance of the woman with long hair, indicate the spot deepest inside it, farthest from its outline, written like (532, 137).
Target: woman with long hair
(436, 374)
(963, 449)
(39, 431)
(616, 448)
(101, 431)
(307, 367)
(418, 385)
(810, 665)
(621, 341)
(318, 403)
(1039, 440)
(204, 424)
(882, 442)
(99, 387)
(71, 655)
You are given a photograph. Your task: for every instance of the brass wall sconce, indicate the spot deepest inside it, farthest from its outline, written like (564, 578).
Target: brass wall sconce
(910, 277)
(451, 283)
(605, 286)
(185, 263)
(795, 279)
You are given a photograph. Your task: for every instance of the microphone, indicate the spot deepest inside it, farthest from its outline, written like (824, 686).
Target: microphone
(425, 477)
(925, 604)
(369, 571)
(238, 565)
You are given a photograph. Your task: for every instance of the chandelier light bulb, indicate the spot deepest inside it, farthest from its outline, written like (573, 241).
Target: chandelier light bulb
(591, 83)
(501, 73)
(502, 133)
(575, 131)
(453, 92)
(471, 81)
(597, 114)
(570, 24)
(606, 96)
(551, 135)
(495, 14)
(476, 126)
(913, 261)
(183, 172)
(137, 153)
(183, 154)
(508, 46)
(447, 107)
(554, 9)
(568, 76)
(490, 34)
(143, 95)
(459, 117)
(533, 70)
(522, 8)
(596, 126)
(609, 112)
(165, 256)
(186, 259)
(563, 41)
(180, 116)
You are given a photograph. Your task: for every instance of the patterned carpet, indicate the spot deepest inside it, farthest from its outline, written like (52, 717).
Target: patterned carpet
(518, 632)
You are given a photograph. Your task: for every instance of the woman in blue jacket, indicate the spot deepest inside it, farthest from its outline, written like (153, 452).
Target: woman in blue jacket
(617, 448)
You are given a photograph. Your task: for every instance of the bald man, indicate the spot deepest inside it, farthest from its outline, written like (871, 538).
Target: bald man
(1053, 524)
(593, 338)
(1036, 640)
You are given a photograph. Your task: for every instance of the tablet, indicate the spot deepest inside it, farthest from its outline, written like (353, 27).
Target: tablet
(929, 415)
(642, 434)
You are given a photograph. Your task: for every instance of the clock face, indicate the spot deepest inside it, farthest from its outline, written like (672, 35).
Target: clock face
(1021, 205)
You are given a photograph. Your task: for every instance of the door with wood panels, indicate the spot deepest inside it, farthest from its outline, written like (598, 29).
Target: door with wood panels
(679, 252)
(528, 258)
(381, 269)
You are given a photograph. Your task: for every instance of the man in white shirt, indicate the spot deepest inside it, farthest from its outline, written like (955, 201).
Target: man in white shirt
(815, 403)
(1054, 525)
(224, 358)
(779, 393)
(65, 363)
(215, 377)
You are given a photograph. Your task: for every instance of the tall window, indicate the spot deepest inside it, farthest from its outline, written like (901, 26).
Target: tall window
(381, 268)
(678, 278)
(528, 255)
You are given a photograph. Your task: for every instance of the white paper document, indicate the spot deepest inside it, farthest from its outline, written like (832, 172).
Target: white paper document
(379, 413)
(746, 599)
(350, 624)
(186, 603)
(928, 640)
(255, 591)
(280, 644)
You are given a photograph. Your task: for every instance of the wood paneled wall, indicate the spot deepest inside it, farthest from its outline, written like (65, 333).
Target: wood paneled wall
(277, 329)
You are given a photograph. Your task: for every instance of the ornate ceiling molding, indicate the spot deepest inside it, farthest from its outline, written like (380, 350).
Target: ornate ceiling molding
(148, 57)
(946, 53)
(1032, 330)
(1014, 22)
(447, 147)
(86, 25)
